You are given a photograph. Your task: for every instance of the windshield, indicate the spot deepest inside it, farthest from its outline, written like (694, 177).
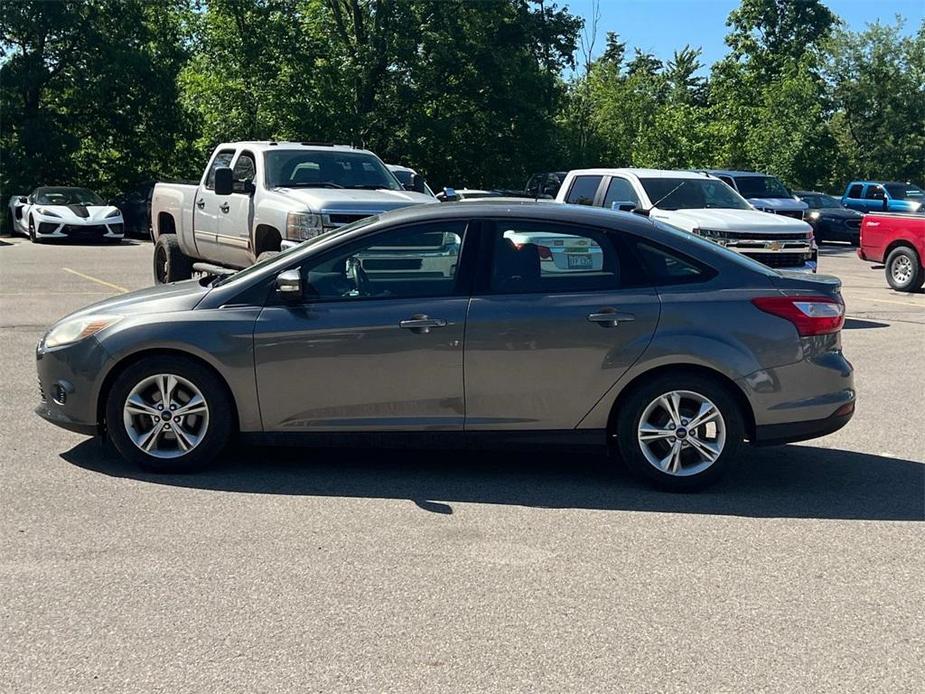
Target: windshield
(290, 168)
(820, 202)
(327, 236)
(67, 196)
(904, 191)
(692, 194)
(761, 187)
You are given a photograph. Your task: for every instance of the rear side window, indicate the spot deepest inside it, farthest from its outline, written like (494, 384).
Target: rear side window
(536, 257)
(874, 193)
(620, 190)
(855, 191)
(665, 267)
(223, 158)
(583, 190)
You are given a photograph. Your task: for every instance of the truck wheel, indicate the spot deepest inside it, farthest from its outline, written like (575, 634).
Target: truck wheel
(170, 263)
(904, 270)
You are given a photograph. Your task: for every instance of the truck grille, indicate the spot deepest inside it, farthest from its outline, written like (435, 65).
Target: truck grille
(779, 260)
(339, 219)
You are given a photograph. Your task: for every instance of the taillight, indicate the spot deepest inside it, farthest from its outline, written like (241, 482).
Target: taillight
(812, 315)
(545, 253)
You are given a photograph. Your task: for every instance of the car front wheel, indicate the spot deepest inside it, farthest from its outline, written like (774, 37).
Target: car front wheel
(169, 414)
(680, 431)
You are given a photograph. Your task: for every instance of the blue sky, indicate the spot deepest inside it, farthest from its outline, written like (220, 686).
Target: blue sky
(662, 26)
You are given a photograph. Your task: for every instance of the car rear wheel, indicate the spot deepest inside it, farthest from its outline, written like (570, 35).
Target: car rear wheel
(681, 431)
(169, 414)
(170, 263)
(904, 271)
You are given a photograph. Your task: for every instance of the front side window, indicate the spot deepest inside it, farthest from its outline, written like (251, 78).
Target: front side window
(415, 261)
(855, 191)
(223, 158)
(619, 191)
(692, 194)
(583, 190)
(762, 187)
(536, 257)
(296, 168)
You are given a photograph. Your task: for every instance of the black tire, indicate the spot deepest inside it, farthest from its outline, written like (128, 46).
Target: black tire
(903, 269)
(635, 405)
(220, 424)
(170, 263)
(32, 237)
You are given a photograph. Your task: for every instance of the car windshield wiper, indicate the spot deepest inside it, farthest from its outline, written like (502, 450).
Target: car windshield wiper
(311, 184)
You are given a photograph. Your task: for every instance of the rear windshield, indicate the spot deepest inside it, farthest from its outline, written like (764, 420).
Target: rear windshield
(762, 187)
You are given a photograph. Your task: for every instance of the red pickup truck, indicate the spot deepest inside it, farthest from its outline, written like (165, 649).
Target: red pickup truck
(897, 241)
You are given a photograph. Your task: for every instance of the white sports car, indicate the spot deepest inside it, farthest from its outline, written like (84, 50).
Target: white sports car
(59, 213)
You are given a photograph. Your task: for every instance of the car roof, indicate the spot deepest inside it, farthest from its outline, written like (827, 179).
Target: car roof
(267, 145)
(640, 173)
(399, 167)
(879, 183)
(810, 192)
(733, 172)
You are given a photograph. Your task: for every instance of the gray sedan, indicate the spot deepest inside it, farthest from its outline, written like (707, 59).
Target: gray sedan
(667, 350)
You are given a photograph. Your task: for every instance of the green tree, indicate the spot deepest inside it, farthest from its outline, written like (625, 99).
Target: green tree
(877, 80)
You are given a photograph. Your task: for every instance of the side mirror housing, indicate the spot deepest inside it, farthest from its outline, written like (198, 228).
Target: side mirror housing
(417, 183)
(289, 285)
(224, 181)
(628, 206)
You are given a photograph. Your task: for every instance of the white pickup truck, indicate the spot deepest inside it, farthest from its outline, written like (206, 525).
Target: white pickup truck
(259, 197)
(700, 204)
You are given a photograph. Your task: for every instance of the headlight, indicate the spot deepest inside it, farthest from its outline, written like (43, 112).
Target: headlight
(47, 213)
(303, 225)
(812, 215)
(77, 329)
(711, 234)
(114, 213)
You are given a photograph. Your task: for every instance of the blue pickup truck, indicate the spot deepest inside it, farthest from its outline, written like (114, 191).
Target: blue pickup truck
(884, 196)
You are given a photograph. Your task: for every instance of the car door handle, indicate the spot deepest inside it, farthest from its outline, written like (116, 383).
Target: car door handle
(200, 204)
(224, 207)
(421, 324)
(610, 318)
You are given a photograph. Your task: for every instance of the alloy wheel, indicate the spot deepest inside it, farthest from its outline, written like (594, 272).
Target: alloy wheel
(902, 269)
(165, 416)
(681, 433)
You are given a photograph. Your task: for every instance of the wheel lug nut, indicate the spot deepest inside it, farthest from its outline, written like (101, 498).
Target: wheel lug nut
(672, 439)
(173, 407)
(160, 407)
(684, 422)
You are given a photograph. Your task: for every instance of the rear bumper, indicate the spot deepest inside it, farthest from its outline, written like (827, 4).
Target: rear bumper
(775, 434)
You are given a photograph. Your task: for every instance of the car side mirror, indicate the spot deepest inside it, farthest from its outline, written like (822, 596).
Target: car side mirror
(628, 206)
(23, 199)
(289, 285)
(224, 181)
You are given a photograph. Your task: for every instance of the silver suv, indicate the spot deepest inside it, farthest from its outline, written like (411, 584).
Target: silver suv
(554, 325)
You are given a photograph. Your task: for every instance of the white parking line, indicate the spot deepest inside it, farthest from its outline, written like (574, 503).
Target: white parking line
(119, 289)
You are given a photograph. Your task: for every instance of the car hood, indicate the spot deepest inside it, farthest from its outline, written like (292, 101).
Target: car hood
(78, 214)
(837, 213)
(162, 298)
(348, 200)
(788, 204)
(730, 220)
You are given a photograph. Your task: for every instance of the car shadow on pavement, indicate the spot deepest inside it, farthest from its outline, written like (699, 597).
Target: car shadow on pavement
(782, 482)
(859, 324)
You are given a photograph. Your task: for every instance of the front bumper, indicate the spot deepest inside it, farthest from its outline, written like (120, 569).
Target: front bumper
(108, 229)
(69, 383)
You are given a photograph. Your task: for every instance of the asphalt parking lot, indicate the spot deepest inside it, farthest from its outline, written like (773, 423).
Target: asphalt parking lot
(312, 570)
